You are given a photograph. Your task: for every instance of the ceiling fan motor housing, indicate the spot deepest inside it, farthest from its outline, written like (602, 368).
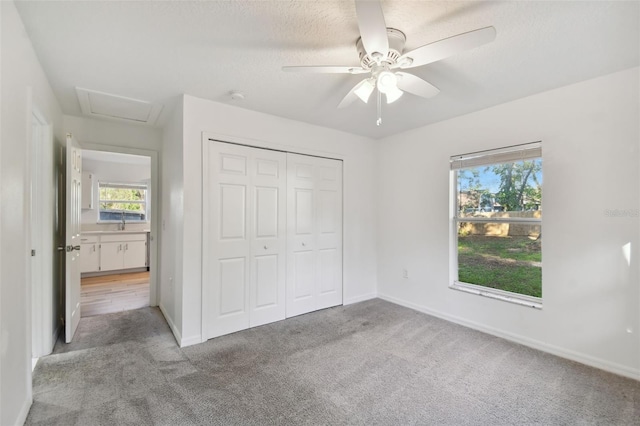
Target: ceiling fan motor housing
(397, 40)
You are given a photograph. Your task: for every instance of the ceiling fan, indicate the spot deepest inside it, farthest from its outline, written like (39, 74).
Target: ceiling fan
(381, 53)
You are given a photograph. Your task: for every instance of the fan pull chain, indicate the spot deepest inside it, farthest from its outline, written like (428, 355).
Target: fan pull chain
(379, 120)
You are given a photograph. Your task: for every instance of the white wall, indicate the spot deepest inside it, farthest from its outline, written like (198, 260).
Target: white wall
(590, 136)
(90, 130)
(23, 85)
(108, 171)
(236, 124)
(171, 228)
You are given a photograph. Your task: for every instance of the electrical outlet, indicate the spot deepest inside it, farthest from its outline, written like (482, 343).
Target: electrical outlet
(405, 273)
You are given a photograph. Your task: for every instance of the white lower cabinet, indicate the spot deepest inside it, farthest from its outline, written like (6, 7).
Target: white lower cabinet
(135, 254)
(111, 256)
(112, 252)
(89, 254)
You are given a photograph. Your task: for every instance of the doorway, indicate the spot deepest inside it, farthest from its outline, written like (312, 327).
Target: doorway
(117, 244)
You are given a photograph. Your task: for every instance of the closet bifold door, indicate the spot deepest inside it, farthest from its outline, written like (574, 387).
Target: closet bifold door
(244, 246)
(314, 236)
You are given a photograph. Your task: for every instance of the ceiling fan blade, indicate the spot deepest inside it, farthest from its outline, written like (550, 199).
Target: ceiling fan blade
(441, 49)
(415, 85)
(373, 29)
(361, 90)
(326, 69)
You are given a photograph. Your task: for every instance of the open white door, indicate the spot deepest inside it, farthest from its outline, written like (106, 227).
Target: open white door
(72, 239)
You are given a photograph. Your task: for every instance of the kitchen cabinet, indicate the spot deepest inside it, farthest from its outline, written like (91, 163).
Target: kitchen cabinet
(113, 251)
(111, 256)
(123, 251)
(135, 254)
(89, 254)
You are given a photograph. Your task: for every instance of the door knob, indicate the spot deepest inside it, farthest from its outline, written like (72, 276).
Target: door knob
(265, 247)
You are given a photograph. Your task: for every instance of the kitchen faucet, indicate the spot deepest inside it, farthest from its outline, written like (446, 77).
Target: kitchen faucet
(122, 225)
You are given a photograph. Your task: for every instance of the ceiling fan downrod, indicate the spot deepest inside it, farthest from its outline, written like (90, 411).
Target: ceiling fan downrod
(379, 120)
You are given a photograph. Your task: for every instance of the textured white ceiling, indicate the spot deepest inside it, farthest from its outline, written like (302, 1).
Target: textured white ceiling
(155, 51)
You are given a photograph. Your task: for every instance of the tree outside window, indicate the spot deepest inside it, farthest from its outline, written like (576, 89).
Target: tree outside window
(118, 201)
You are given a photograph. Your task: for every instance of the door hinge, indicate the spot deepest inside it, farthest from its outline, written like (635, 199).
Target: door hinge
(33, 253)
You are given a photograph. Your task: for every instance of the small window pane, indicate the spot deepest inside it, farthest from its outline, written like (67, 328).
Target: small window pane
(121, 194)
(506, 187)
(505, 256)
(127, 207)
(118, 202)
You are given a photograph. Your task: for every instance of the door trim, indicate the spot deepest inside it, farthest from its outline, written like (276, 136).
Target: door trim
(261, 144)
(274, 149)
(41, 291)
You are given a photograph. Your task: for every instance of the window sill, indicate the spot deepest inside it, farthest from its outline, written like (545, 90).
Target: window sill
(129, 222)
(492, 293)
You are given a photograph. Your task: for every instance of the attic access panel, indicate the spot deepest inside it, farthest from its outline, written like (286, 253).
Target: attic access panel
(105, 105)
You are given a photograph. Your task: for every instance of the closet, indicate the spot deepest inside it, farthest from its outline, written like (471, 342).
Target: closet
(314, 234)
(272, 236)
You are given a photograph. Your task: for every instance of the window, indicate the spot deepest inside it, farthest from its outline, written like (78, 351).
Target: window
(497, 223)
(123, 201)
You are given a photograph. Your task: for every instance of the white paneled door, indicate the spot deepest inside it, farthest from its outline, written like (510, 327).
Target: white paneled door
(244, 241)
(314, 238)
(72, 243)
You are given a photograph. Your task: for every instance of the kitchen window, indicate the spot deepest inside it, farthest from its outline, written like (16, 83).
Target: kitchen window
(496, 229)
(123, 201)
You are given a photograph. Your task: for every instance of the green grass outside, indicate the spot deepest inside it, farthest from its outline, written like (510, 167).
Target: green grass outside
(506, 263)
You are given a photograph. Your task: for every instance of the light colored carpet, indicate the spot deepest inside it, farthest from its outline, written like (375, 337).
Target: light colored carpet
(372, 363)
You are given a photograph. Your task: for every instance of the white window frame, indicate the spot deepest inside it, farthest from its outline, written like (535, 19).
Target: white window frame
(126, 186)
(489, 157)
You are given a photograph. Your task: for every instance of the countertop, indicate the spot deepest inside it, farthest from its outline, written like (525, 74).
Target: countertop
(126, 231)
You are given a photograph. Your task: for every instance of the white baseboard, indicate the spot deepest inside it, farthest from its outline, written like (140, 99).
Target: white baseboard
(360, 298)
(54, 337)
(611, 367)
(172, 326)
(190, 341)
(24, 411)
(117, 271)
(182, 342)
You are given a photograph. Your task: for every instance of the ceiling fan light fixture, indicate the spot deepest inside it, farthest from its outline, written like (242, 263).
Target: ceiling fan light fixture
(387, 81)
(364, 91)
(393, 95)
